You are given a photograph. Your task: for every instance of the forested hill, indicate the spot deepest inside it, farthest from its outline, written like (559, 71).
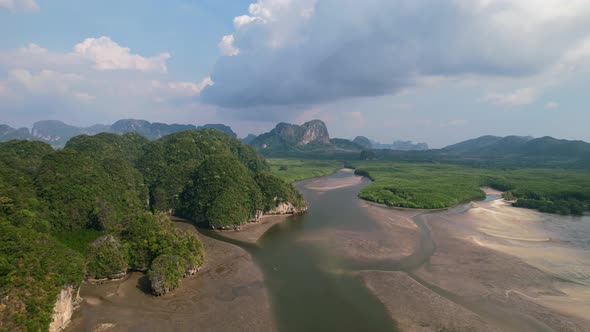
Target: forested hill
(58, 133)
(523, 146)
(94, 209)
(495, 151)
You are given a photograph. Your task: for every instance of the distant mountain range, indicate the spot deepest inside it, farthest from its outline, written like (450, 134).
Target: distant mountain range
(509, 151)
(58, 133)
(396, 145)
(522, 146)
(312, 140)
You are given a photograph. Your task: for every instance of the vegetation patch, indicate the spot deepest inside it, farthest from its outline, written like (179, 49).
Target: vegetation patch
(107, 259)
(34, 268)
(165, 274)
(293, 170)
(429, 186)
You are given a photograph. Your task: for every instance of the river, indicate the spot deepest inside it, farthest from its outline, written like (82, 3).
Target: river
(311, 271)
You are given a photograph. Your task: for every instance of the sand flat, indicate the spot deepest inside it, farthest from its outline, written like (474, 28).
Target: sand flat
(416, 308)
(503, 257)
(333, 183)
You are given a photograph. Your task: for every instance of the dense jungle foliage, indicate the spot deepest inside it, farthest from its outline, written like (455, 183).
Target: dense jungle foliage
(99, 207)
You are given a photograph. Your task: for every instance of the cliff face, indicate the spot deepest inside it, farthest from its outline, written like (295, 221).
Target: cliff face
(64, 308)
(314, 131)
(286, 208)
(285, 136)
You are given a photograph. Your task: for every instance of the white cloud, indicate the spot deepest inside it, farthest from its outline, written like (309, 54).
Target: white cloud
(48, 82)
(91, 80)
(552, 105)
(226, 46)
(243, 20)
(108, 55)
(282, 20)
(520, 97)
(181, 89)
(19, 5)
(316, 51)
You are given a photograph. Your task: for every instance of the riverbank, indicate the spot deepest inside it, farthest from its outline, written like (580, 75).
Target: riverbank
(348, 265)
(227, 294)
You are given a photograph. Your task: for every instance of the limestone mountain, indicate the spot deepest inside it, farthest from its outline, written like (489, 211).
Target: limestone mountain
(310, 138)
(8, 133)
(150, 130)
(248, 139)
(57, 133)
(400, 146)
(220, 127)
(546, 148)
(286, 135)
(363, 141)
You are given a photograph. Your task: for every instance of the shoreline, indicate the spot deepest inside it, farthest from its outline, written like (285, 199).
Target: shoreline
(462, 285)
(228, 282)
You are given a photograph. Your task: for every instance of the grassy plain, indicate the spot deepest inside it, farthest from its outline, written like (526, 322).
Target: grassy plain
(293, 170)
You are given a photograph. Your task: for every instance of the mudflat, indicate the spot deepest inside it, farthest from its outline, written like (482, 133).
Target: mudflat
(227, 294)
(482, 266)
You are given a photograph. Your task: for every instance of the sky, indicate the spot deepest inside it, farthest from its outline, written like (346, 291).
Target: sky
(429, 71)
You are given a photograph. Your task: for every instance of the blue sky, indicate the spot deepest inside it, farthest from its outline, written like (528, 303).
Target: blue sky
(435, 72)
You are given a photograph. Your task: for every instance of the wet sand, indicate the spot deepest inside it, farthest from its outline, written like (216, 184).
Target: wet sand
(331, 183)
(251, 232)
(482, 266)
(480, 263)
(387, 235)
(227, 294)
(417, 308)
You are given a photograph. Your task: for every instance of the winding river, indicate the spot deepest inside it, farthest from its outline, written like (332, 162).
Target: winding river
(313, 287)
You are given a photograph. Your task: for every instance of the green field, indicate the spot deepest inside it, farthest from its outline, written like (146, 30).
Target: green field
(431, 186)
(293, 170)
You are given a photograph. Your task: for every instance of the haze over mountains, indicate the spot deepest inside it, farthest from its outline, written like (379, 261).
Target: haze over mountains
(396, 145)
(313, 138)
(58, 133)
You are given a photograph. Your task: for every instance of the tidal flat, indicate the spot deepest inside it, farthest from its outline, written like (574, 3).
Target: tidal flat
(347, 263)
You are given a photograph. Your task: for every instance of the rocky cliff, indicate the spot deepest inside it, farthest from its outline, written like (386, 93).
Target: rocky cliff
(286, 208)
(314, 131)
(63, 309)
(286, 136)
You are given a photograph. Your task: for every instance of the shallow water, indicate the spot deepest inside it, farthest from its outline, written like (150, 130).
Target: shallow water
(309, 292)
(315, 288)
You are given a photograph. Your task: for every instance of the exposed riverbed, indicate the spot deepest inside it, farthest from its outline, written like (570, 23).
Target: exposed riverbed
(349, 265)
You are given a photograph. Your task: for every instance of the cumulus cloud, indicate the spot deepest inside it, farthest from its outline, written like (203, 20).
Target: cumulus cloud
(98, 75)
(19, 5)
(226, 46)
(520, 97)
(108, 55)
(49, 82)
(304, 52)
